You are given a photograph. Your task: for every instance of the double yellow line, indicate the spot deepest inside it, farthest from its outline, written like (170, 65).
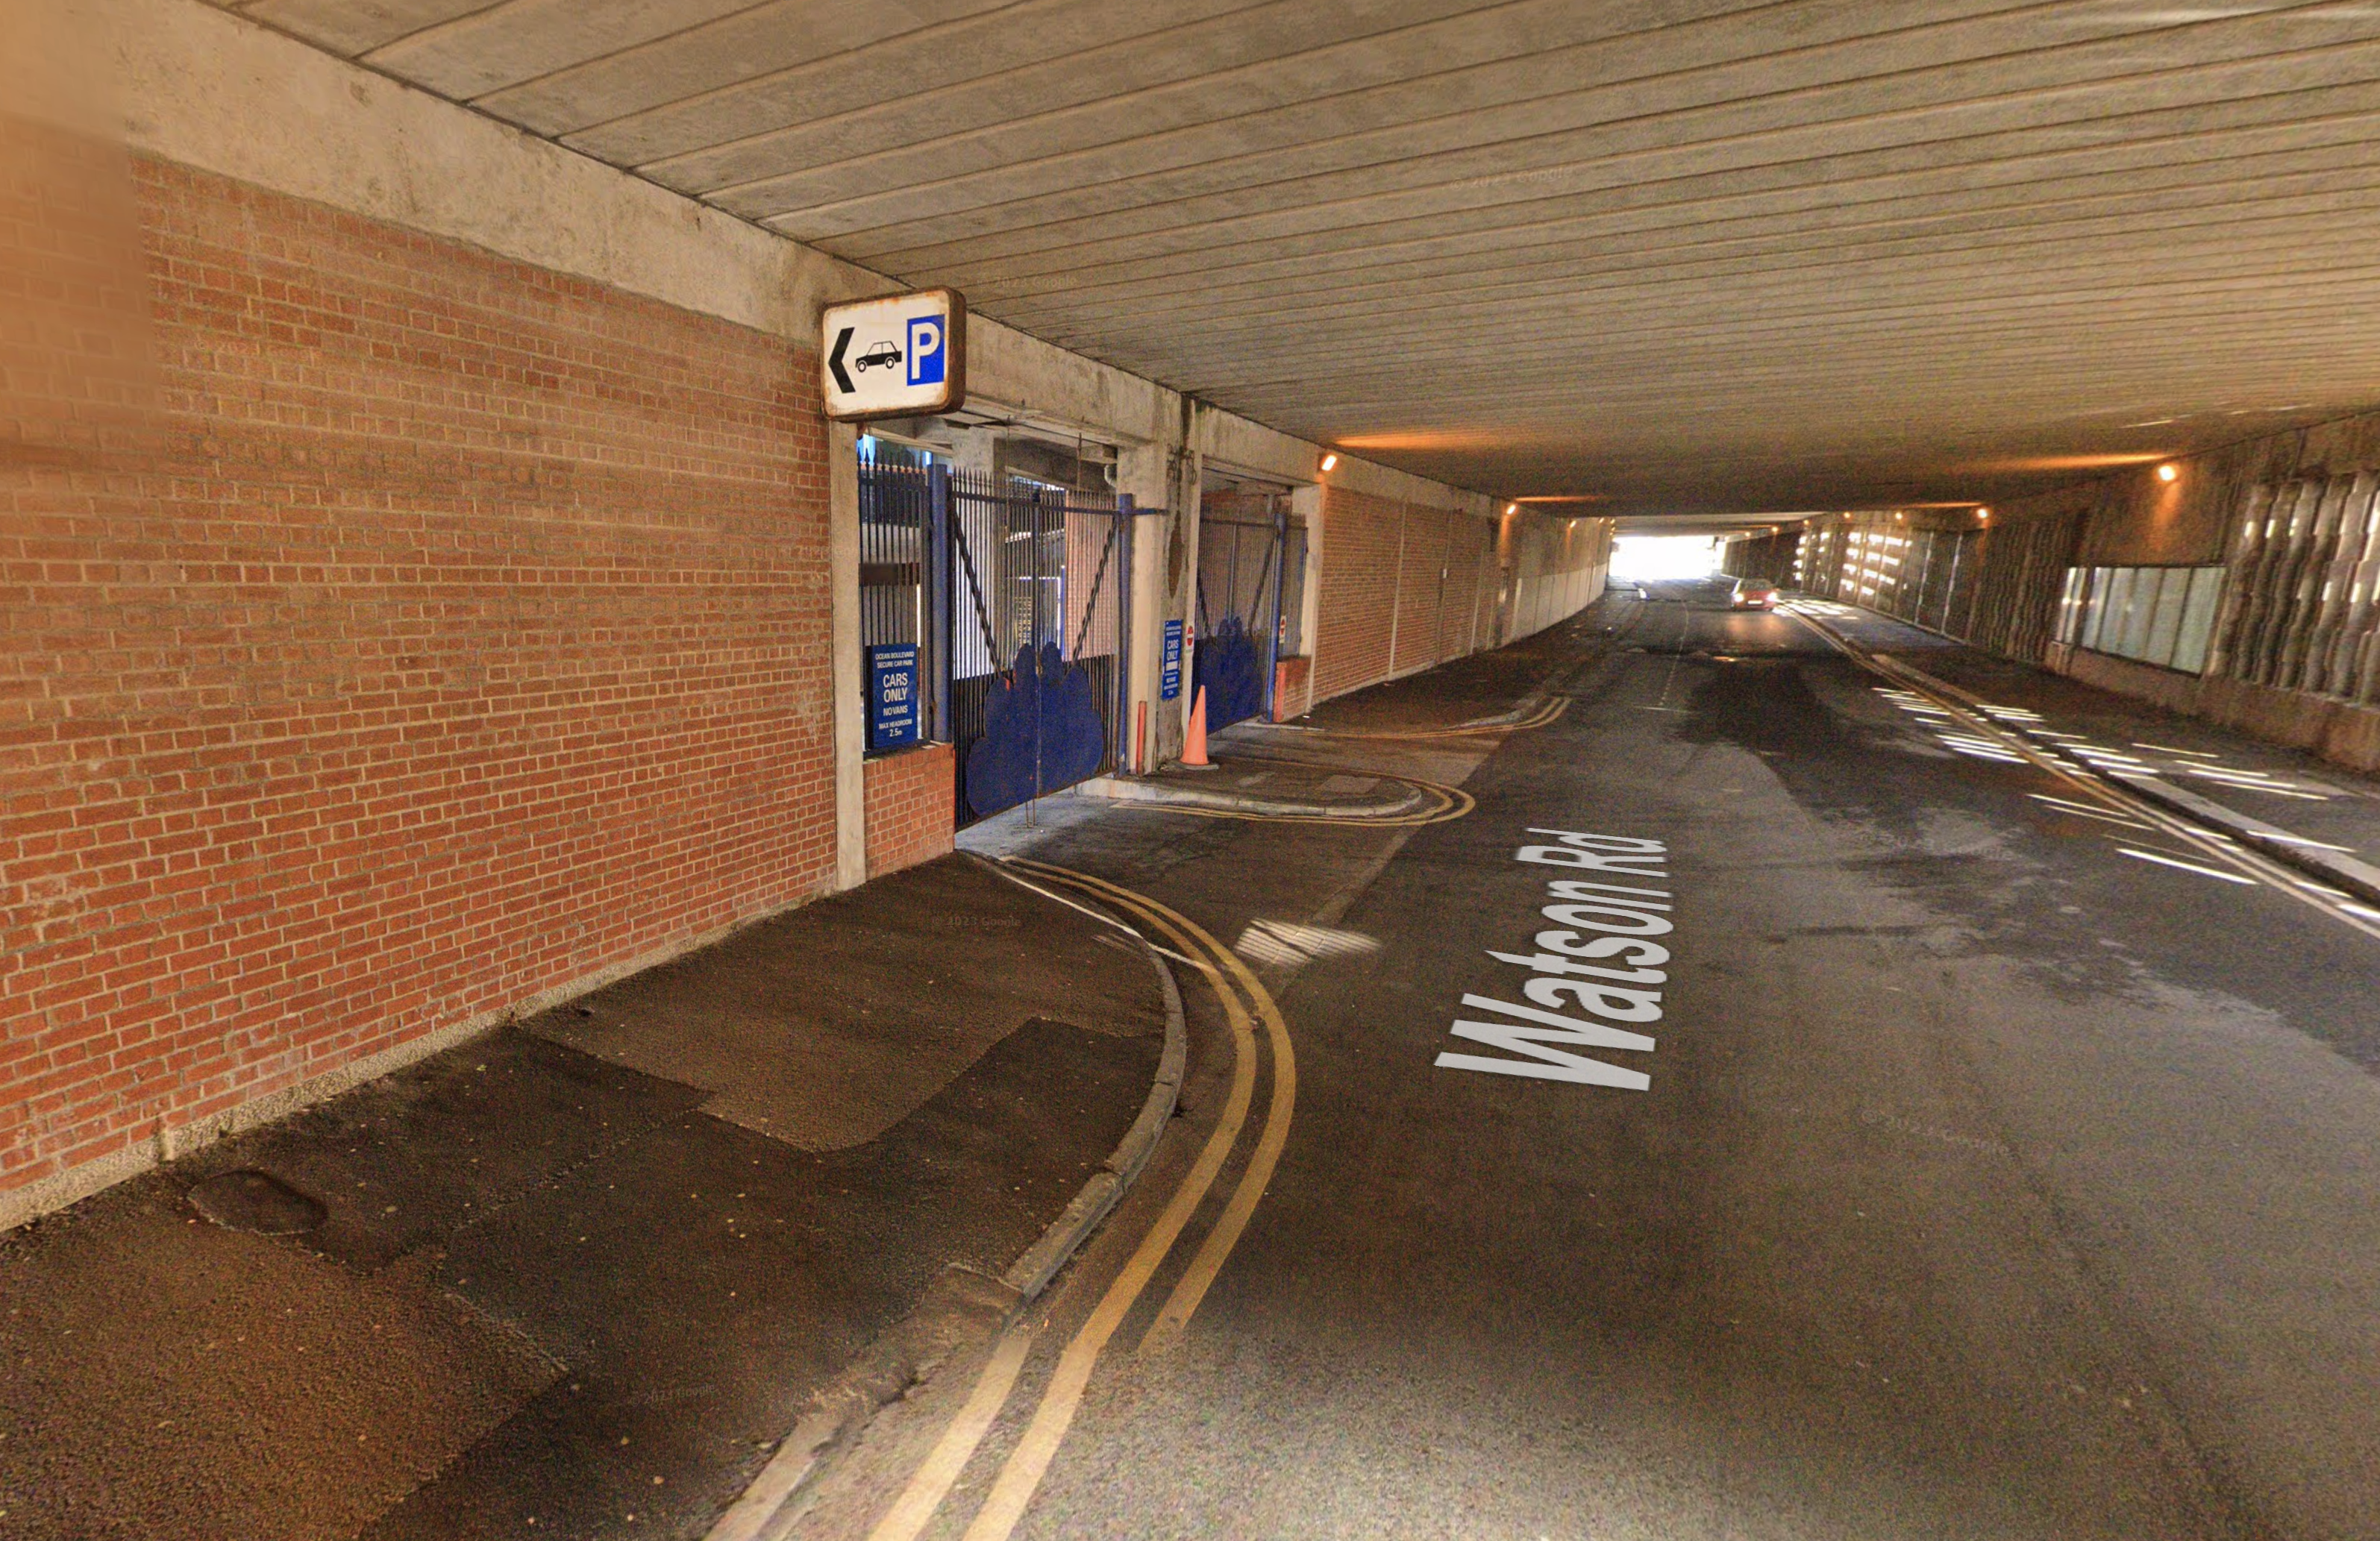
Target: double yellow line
(1246, 1003)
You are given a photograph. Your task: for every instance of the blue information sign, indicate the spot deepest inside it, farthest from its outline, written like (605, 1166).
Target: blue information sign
(893, 696)
(1169, 676)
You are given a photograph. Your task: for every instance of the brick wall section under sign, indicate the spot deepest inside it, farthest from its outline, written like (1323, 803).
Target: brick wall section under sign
(435, 632)
(911, 808)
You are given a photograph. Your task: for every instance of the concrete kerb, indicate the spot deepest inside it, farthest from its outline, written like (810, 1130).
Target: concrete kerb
(1142, 789)
(962, 1306)
(2358, 877)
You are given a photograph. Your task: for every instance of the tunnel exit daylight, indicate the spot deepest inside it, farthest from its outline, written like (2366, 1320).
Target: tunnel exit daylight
(999, 770)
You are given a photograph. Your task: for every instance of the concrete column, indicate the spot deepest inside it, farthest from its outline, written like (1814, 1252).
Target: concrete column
(977, 452)
(1305, 507)
(850, 707)
(1181, 580)
(1141, 474)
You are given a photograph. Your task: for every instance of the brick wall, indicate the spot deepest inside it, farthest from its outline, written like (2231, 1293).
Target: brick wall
(433, 632)
(1402, 587)
(1356, 602)
(1422, 576)
(1293, 691)
(911, 808)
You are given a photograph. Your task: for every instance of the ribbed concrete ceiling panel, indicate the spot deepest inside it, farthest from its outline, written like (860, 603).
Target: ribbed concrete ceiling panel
(1678, 254)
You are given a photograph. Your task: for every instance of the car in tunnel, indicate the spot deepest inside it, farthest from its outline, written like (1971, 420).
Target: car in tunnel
(1753, 594)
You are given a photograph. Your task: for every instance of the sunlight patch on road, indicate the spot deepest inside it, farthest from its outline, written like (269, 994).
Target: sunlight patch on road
(1285, 944)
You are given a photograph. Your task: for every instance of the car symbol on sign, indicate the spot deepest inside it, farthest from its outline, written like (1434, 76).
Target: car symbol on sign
(879, 355)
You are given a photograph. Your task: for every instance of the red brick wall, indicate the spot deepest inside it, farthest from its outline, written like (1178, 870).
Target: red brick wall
(1293, 689)
(911, 808)
(1438, 573)
(445, 631)
(1357, 595)
(1421, 583)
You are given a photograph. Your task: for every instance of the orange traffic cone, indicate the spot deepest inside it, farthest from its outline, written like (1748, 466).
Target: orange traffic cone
(1194, 743)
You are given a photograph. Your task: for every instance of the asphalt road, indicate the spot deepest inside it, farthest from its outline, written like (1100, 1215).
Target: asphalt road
(1987, 1181)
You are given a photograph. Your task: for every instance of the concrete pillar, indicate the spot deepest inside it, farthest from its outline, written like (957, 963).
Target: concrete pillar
(975, 451)
(1305, 508)
(850, 704)
(1142, 475)
(1182, 577)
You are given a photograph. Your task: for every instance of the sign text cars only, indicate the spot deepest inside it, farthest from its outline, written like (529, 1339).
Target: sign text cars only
(901, 356)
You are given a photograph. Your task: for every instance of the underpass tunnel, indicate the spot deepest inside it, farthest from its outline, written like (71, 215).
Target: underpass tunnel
(502, 499)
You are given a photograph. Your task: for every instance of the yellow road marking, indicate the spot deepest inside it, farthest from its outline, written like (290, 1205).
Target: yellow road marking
(2263, 870)
(931, 1482)
(1192, 1287)
(1020, 1476)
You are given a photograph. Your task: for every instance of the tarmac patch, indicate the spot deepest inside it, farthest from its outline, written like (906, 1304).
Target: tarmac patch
(257, 1202)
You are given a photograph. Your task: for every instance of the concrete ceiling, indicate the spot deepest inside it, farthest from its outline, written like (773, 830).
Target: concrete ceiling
(1680, 254)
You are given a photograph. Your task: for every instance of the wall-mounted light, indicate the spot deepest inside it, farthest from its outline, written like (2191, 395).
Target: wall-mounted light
(1511, 508)
(2169, 472)
(1984, 513)
(1900, 516)
(1328, 461)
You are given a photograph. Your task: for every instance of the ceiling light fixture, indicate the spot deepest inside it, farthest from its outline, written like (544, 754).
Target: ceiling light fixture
(1328, 461)
(2169, 472)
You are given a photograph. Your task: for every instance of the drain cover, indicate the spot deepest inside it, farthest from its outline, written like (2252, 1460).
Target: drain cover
(250, 1200)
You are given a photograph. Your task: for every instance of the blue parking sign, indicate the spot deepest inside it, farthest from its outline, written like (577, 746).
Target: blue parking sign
(929, 359)
(893, 708)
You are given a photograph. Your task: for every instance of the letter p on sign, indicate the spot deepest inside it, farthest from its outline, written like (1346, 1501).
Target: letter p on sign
(926, 359)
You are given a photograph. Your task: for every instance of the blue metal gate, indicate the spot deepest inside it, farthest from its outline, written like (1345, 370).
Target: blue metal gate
(1020, 594)
(1242, 542)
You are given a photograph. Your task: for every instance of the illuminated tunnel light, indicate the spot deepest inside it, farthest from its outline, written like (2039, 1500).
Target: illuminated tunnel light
(2169, 472)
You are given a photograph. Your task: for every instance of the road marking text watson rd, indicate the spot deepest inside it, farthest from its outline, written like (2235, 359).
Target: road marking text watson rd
(1599, 920)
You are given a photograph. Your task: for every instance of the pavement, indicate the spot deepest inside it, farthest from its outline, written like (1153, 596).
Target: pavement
(2001, 1167)
(581, 1276)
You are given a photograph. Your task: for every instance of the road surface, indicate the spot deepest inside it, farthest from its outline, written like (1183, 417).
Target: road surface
(2000, 1169)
